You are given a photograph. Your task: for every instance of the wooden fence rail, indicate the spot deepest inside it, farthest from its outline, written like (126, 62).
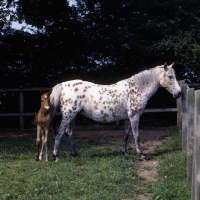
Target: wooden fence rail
(21, 114)
(189, 125)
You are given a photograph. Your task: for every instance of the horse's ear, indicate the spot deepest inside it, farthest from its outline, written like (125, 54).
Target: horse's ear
(170, 66)
(165, 66)
(41, 92)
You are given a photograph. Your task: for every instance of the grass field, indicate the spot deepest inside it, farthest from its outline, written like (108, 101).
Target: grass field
(98, 172)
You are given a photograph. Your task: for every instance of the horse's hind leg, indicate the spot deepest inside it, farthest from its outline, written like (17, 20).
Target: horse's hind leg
(63, 126)
(126, 136)
(69, 132)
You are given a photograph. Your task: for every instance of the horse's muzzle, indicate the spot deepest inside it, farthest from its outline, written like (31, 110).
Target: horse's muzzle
(177, 95)
(46, 109)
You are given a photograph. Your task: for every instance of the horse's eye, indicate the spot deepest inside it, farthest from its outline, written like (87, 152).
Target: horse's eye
(170, 77)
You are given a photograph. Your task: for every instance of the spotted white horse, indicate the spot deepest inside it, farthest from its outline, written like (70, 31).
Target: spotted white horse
(124, 100)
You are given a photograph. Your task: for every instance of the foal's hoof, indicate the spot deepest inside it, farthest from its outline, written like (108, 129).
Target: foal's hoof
(125, 154)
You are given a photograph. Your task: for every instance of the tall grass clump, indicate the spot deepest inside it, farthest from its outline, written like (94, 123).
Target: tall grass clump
(172, 177)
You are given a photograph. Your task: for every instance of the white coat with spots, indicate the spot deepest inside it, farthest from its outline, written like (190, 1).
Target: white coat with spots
(124, 100)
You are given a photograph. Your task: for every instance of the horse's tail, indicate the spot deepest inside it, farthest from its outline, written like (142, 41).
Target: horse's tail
(54, 100)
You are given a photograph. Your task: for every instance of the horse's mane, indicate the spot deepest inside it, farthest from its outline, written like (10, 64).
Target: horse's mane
(146, 77)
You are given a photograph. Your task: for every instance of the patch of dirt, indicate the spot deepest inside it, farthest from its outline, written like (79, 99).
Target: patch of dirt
(147, 169)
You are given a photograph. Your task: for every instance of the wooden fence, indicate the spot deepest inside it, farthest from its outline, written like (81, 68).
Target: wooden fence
(21, 114)
(189, 126)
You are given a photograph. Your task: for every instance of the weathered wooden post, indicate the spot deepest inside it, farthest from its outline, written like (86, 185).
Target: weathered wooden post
(179, 113)
(197, 145)
(21, 108)
(190, 133)
(184, 88)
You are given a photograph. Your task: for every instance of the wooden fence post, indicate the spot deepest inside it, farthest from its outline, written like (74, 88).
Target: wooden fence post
(21, 108)
(197, 145)
(179, 113)
(190, 133)
(184, 117)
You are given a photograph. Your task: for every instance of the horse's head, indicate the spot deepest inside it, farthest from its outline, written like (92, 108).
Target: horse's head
(168, 80)
(45, 100)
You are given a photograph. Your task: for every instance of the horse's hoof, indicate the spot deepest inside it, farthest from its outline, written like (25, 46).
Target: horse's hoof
(74, 154)
(143, 157)
(57, 159)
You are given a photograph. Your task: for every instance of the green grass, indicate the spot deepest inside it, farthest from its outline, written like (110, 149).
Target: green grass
(172, 177)
(99, 172)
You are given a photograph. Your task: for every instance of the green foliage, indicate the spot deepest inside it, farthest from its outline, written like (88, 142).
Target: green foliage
(101, 41)
(172, 177)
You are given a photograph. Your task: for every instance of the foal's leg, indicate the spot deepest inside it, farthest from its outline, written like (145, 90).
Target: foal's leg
(126, 136)
(38, 142)
(134, 125)
(43, 138)
(45, 142)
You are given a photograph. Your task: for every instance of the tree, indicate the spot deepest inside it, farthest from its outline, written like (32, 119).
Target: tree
(102, 41)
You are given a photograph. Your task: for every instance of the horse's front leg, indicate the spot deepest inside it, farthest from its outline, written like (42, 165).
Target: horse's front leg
(134, 125)
(63, 126)
(127, 128)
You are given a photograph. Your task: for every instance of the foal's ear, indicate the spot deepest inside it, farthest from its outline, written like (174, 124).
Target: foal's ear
(165, 66)
(41, 92)
(49, 92)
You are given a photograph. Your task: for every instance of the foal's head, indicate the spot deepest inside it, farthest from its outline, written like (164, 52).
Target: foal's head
(45, 100)
(168, 80)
